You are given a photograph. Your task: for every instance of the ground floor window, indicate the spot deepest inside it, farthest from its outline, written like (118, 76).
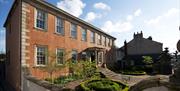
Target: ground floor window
(41, 55)
(74, 56)
(60, 56)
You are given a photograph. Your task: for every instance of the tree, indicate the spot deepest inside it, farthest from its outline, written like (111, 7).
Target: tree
(52, 66)
(148, 64)
(147, 60)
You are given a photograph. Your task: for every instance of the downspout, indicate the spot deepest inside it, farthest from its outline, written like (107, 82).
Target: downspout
(20, 20)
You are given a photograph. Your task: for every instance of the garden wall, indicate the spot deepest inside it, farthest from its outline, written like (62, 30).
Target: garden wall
(32, 84)
(156, 83)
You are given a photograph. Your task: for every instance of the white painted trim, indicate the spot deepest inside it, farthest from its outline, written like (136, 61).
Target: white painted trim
(35, 16)
(46, 19)
(36, 57)
(61, 26)
(56, 56)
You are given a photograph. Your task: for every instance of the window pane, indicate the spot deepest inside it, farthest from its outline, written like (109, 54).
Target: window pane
(59, 25)
(84, 34)
(92, 37)
(73, 30)
(41, 55)
(99, 39)
(60, 56)
(41, 19)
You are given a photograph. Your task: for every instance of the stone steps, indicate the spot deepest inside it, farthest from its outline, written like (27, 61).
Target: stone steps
(130, 80)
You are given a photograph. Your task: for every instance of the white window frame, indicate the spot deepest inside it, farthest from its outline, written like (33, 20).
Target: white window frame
(62, 26)
(85, 30)
(71, 31)
(57, 57)
(93, 37)
(46, 59)
(35, 19)
(99, 42)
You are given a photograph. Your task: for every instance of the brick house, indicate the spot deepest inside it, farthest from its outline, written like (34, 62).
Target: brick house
(34, 27)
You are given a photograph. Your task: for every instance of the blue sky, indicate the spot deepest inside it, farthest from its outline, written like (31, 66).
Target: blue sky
(120, 18)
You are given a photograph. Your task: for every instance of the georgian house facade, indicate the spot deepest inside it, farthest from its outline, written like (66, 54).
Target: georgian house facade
(35, 27)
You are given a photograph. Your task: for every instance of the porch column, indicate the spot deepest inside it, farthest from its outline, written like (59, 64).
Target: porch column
(104, 59)
(96, 57)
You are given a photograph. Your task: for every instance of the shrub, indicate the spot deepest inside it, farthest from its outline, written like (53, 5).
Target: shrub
(102, 85)
(128, 72)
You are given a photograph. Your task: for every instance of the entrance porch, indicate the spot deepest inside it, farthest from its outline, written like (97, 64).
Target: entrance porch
(97, 55)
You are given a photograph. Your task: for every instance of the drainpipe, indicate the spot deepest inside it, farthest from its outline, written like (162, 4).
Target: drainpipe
(96, 57)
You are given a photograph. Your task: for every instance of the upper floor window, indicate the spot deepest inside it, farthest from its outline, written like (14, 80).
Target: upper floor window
(74, 56)
(59, 25)
(103, 40)
(41, 55)
(99, 39)
(73, 30)
(110, 42)
(60, 56)
(84, 34)
(41, 19)
(92, 37)
(107, 41)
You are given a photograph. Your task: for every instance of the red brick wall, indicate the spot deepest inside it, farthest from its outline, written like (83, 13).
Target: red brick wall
(53, 41)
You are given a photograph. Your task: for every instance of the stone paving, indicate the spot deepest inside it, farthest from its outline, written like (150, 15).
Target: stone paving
(127, 79)
(73, 85)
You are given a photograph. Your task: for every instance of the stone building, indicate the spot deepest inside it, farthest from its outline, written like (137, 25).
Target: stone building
(138, 47)
(34, 27)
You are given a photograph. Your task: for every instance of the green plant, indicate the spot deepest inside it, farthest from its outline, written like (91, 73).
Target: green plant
(129, 72)
(147, 60)
(83, 69)
(102, 85)
(52, 66)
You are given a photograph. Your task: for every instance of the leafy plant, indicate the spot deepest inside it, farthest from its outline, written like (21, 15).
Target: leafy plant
(147, 60)
(102, 85)
(52, 66)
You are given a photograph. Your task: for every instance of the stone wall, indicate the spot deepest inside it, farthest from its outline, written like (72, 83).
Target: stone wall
(154, 84)
(32, 84)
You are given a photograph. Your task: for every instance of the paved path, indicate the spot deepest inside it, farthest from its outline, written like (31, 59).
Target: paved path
(127, 79)
(73, 84)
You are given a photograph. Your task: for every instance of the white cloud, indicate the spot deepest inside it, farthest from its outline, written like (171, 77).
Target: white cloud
(166, 16)
(102, 6)
(129, 18)
(116, 27)
(74, 7)
(124, 26)
(92, 16)
(138, 12)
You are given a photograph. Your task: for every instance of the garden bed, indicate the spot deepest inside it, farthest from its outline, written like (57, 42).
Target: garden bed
(102, 84)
